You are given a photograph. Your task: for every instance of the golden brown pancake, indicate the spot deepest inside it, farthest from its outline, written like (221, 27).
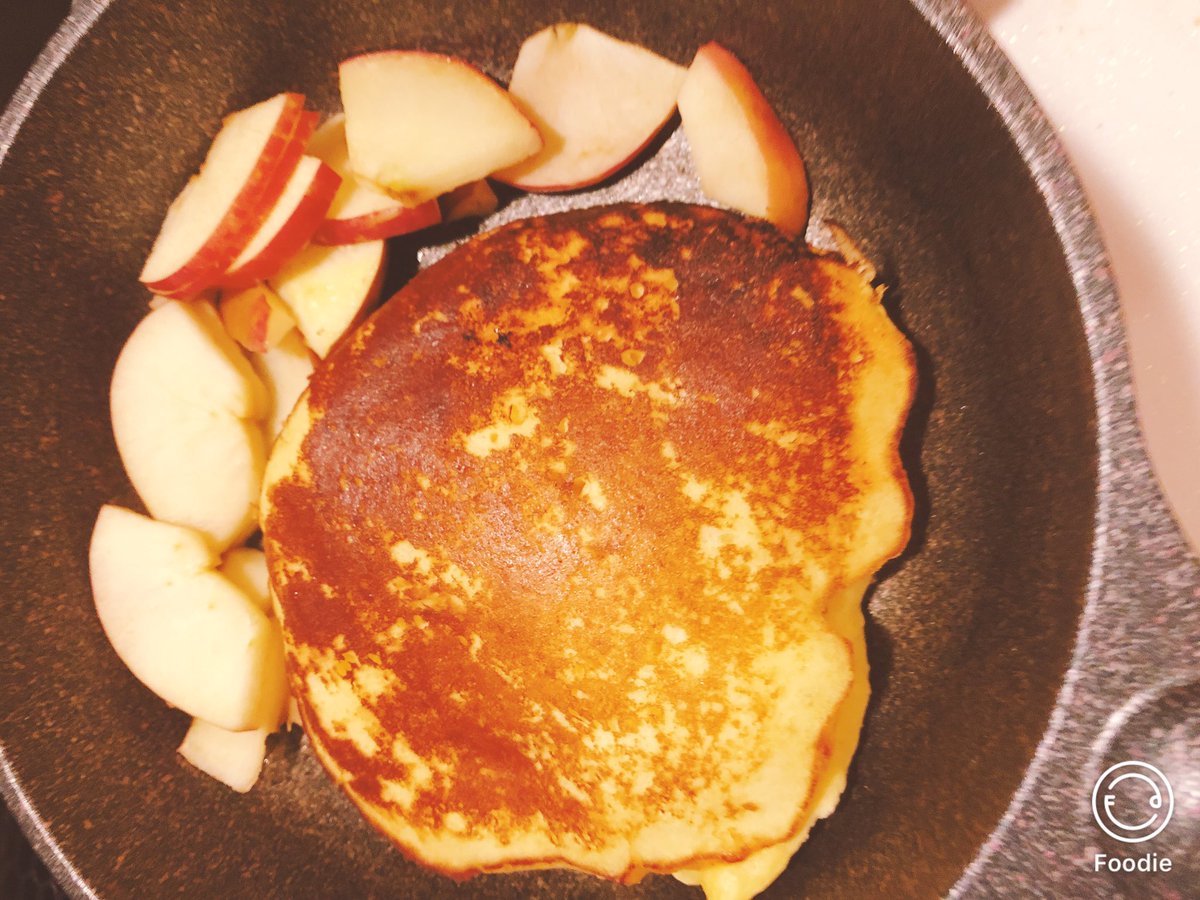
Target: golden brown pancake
(748, 877)
(554, 536)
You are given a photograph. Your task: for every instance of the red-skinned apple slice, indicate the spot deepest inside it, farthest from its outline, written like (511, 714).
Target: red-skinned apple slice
(362, 211)
(329, 289)
(744, 156)
(420, 124)
(293, 221)
(378, 224)
(256, 318)
(596, 100)
(469, 201)
(217, 213)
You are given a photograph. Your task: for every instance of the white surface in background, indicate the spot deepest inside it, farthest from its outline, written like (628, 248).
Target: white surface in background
(1120, 79)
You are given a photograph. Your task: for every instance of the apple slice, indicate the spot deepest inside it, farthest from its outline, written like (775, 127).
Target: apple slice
(285, 370)
(744, 156)
(293, 221)
(328, 289)
(361, 219)
(420, 124)
(256, 318)
(234, 758)
(246, 568)
(217, 213)
(362, 211)
(186, 414)
(182, 629)
(469, 201)
(596, 100)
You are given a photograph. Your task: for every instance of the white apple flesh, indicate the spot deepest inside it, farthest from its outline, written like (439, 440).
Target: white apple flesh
(420, 124)
(596, 100)
(328, 290)
(744, 156)
(362, 211)
(182, 629)
(234, 758)
(285, 370)
(186, 414)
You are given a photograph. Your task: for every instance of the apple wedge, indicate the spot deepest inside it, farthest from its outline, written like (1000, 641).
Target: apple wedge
(181, 628)
(362, 211)
(291, 224)
(469, 201)
(186, 414)
(234, 758)
(246, 568)
(328, 289)
(285, 370)
(420, 124)
(255, 317)
(596, 100)
(211, 221)
(744, 156)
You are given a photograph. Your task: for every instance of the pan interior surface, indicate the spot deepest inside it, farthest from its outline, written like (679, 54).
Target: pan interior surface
(969, 633)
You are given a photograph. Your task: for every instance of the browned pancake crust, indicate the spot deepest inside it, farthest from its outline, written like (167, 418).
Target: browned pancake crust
(565, 427)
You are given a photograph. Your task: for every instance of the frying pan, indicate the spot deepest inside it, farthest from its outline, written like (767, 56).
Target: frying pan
(1045, 607)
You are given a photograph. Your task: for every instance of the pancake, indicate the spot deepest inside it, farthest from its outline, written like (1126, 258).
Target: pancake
(560, 541)
(752, 875)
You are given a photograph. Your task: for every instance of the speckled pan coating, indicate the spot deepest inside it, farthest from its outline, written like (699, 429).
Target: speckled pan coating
(1139, 641)
(1043, 554)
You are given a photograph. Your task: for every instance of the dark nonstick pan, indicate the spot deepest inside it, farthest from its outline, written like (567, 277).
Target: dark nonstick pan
(1041, 626)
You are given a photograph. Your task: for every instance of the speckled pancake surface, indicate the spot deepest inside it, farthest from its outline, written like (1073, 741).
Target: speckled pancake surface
(552, 537)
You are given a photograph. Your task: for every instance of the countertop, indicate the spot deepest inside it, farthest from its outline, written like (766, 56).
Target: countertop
(1120, 80)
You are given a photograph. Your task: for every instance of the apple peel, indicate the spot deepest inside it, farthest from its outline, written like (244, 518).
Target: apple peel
(246, 169)
(290, 225)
